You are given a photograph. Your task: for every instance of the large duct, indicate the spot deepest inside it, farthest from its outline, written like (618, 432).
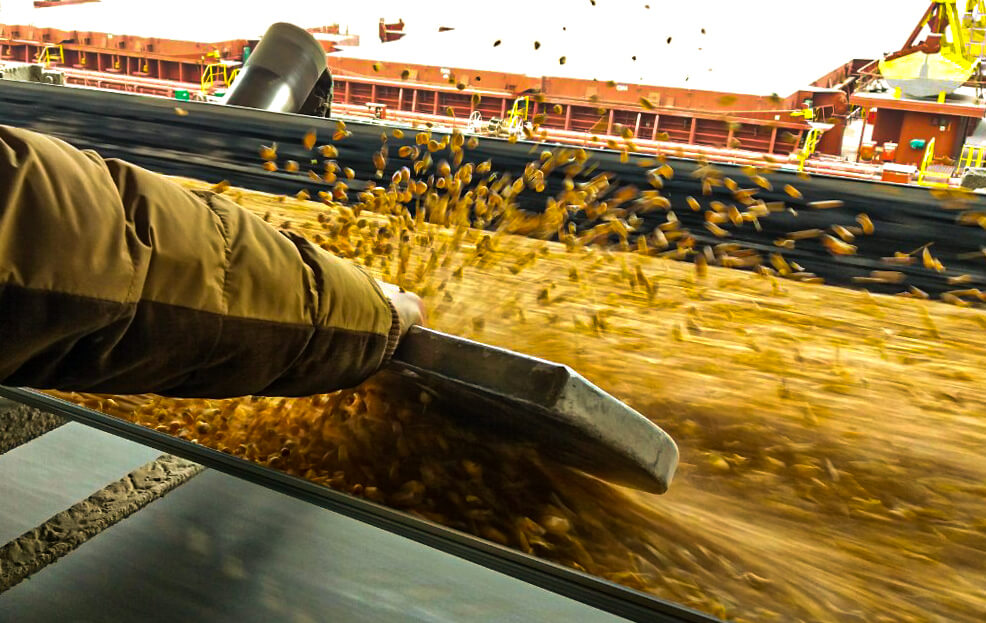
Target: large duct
(286, 72)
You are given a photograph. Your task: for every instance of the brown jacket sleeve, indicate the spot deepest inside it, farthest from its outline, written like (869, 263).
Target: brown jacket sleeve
(114, 279)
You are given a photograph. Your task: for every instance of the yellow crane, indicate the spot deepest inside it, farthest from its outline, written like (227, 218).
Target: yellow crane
(947, 58)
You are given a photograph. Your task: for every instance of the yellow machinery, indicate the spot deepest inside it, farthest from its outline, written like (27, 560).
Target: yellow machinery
(512, 125)
(520, 109)
(947, 59)
(807, 113)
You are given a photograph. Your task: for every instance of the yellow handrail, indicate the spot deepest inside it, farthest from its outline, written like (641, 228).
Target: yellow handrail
(929, 155)
(207, 79)
(218, 72)
(517, 111)
(811, 142)
(45, 56)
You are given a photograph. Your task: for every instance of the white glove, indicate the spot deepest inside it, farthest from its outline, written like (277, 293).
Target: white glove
(410, 307)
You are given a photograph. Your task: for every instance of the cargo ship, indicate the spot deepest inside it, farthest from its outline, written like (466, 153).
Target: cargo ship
(911, 116)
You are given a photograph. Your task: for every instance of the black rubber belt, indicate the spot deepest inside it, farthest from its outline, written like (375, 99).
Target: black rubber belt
(590, 590)
(214, 142)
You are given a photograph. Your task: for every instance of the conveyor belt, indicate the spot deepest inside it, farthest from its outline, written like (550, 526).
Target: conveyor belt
(36, 474)
(589, 590)
(53, 483)
(220, 549)
(62, 533)
(217, 549)
(214, 142)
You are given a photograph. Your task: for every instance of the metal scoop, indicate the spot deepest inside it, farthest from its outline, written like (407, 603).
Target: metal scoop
(549, 404)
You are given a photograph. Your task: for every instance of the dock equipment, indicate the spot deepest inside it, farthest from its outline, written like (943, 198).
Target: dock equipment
(511, 125)
(285, 73)
(950, 55)
(545, 403)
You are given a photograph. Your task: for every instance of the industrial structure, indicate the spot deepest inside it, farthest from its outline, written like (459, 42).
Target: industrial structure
(169, 68)
(927, 98)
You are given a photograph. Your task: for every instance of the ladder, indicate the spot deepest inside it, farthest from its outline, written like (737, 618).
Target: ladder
(972, 156)
(811, 142)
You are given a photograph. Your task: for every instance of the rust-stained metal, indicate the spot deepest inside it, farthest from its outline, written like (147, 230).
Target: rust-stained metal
(132, 63)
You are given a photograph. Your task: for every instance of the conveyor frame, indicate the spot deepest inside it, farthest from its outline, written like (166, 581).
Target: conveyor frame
(214, 142)
(590, 590)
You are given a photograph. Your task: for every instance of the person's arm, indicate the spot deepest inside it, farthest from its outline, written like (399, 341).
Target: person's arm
(114, 279)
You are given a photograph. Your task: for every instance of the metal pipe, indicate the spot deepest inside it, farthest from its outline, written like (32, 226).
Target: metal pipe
(283, 72)
(862, 134)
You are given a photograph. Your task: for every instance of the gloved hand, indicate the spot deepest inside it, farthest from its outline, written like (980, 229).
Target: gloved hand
(410, 307)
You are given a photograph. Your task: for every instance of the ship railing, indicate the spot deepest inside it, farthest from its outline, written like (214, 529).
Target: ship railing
(972, 156)
(51, 53)
(927, 175)
(222, 73)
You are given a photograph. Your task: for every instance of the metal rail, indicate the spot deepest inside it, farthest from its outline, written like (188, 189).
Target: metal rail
(590, 590)
(214, 142)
